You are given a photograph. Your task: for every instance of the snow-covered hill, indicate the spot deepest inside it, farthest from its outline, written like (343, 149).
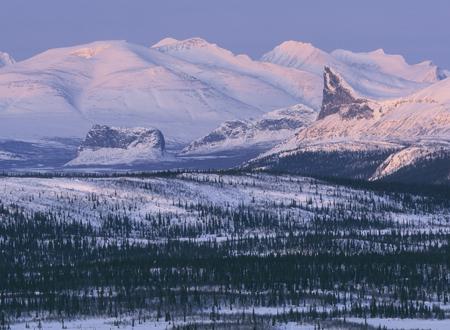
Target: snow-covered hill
(409, 157)
(106, 145)
(263, 132)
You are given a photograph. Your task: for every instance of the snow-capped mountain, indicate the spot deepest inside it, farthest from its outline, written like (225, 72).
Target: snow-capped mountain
(62, 92)
(263, 132)
(5, 59)
(106, 145)
(187, 88)
(219, 67)
(374, 74)
(405, 128)
(345, 115)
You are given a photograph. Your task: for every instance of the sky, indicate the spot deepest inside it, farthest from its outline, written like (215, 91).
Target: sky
(417, 29)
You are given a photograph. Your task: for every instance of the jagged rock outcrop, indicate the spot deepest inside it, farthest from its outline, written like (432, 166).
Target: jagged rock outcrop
(366, 139)
(103, 136)
(339, 97)
(264, 132)
(105, 145)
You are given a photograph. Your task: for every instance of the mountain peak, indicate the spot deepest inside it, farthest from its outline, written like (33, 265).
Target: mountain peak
(300, 55)
(170, 44)
(292, 45)
(298, 49)
(6, 59)
(339, 97)
(92, 51)
(165, 42)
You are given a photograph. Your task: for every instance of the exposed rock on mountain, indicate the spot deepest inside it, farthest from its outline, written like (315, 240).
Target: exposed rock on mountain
(373, 139)
(61, 92)
(106, 145)
(184, 87)
(263, 133)
(339, 97)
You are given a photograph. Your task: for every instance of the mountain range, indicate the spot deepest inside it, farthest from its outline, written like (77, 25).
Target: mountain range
(184, 88)
(295, 100)
(369, 139)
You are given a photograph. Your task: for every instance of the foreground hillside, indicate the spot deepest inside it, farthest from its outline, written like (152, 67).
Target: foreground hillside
(231, 251)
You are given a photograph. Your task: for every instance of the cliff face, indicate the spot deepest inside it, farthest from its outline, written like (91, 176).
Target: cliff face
(263, 132)
(102, 136)
(106, 145)
(339, 97)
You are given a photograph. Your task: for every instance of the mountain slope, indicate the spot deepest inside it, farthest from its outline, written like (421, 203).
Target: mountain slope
(373, 74)
(262, 133)
(224, 65)
(184, 88)
(378, 137)
(412, 157)
(62, 92)
(423, 115)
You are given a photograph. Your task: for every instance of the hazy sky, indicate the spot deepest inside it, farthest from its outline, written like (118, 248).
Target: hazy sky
(417, 29)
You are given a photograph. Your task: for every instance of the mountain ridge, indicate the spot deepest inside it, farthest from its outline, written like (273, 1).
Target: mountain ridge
(389, 135)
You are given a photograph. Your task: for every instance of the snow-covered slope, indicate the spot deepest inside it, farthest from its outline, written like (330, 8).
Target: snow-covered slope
(62, 92)
(263, 132)
(184, 88)
(373, 74)
(409, 157)
(423, 115)
(389, 64)
(265, 82)
(106, 145)
(5, 59)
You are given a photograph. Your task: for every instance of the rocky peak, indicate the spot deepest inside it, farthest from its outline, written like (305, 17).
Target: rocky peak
(265, 131)
(339, 97)
(102, 136)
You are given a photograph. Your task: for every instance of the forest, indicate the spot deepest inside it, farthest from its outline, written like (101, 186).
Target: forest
(236, 250)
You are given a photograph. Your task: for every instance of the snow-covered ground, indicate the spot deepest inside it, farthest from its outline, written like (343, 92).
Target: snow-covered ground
(196, 200)
(127, 323)
(4, 155)
(404, 324)
(87, 199)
